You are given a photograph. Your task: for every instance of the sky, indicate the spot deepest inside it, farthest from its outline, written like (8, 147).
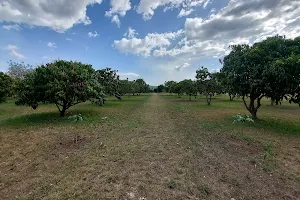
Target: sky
(157, 40)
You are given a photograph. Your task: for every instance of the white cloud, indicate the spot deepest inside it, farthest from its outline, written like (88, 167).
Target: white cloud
(115, 19)
(58, 15)
(129, 75)
(206, 3)
(146, 45)
(13, 52)
(131, 33)
(68, 39)
(185, 12)
(147, 7)
(247, 19)
(51, 45)
(241, 22)
(15, 27)
(118, 8)
(12, 47)
(90, 34)
(181, 67)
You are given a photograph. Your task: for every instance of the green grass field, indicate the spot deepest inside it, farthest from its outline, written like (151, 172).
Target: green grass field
(150, 147)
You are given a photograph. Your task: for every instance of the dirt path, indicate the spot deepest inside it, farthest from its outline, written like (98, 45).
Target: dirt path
(177, 159)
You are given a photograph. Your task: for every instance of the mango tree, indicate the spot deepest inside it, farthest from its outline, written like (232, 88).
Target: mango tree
(205, 83)
(141, 86)
(169, 86)
(189, 87)
(63, 83)
(267, 69)
(110, 81)
(5, 86)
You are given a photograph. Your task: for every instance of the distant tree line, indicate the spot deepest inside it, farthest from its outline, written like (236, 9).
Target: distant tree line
(270, 69)
(65, 84)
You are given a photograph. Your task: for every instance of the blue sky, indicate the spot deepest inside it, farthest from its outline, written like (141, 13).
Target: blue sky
(157, 40)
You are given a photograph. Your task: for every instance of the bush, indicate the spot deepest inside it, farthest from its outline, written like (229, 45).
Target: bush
(76, 118)
(242, 118)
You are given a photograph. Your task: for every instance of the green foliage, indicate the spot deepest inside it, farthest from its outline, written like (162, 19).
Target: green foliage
(206, 83)
(76, 118)
(186, 86)
(269, 68)
(5, 86)
(124, 87)
(141, 86)
(160, 88)
(137, 86)
(110, 81)
(242, 118)
(189, 87)
(64, 83)
(170, 86)
(269, 158)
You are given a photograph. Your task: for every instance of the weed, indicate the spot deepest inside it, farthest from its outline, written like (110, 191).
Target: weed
(269, 158)
(171, 184)
(205, 189)
(252, 160)
(242, 118)
(240, 135)
(76, 118)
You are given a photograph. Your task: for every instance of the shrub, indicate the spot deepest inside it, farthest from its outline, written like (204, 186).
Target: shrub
(76, 118)
(242, 118)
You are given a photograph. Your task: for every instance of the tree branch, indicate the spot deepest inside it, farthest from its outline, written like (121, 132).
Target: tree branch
(57, 105)
(245, 103)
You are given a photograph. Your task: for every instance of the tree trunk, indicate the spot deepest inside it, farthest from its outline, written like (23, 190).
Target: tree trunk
(190, 97)
(231, 97)
(254, 114)
(63, 111)
(252, 108)
(208, 100)
(272, 101)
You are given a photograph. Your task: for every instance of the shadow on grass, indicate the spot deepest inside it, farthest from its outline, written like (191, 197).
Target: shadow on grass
(49, 119)
(277, 126)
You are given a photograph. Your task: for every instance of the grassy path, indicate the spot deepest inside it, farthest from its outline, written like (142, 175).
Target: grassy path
(146, 149)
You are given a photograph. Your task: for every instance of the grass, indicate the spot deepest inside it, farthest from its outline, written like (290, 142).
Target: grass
(269, 158)
(149, 147)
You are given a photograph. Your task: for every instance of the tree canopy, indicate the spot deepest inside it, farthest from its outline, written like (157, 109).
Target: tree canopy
(110, 81)
(267, 69)
(64, 83)
(206, 83)
(5, 86)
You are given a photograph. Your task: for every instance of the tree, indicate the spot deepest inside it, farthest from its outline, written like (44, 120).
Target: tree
(206, 83)
(169, 86)
(5, 86)
(124, 87)
(133, 87)
(189, 87)
(64, 83)
(244, 68)
(141, 86)
(110, 81)
(160, 88)
(267, 69)
(178, 89)
(18, 70)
